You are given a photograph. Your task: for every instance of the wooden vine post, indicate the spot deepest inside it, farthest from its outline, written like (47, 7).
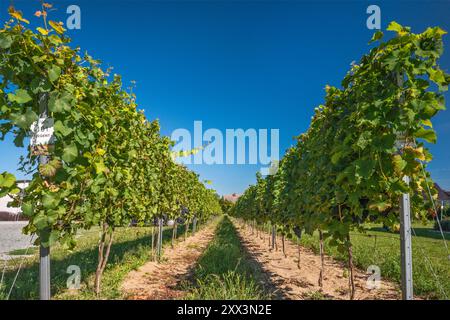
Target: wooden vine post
(160, 238)
(174, 232)
(299, 237)
(186, 229)
(351, 277)
(194, 225)
(322, 262)
(261, 232)
(153, 241)
(104, 248)
(273, 237)
(282, 243)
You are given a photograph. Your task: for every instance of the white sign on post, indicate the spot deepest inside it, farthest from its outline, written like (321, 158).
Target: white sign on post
(42, 136)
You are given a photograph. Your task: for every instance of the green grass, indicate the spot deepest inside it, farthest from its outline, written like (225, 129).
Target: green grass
(382, 248)
(3, 293)
(20, 252)
(314, 295)
(224, 271)
(131, 249)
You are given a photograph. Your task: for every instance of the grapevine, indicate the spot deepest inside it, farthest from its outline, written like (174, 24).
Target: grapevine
(348, 168)
(109, 166)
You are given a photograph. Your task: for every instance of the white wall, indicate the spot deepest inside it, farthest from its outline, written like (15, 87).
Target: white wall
(6, 199)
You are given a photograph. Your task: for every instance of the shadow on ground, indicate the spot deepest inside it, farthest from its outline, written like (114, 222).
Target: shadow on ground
(26, 286)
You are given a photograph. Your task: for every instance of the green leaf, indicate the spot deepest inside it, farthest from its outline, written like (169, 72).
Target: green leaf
(391, 61)
(54, 73)
(40, 221)
(439, 31)
(100, 167)
(399, 163)
(428, 123)
(70, 153)
(57, 26)
(341, 177)
(437, 75)
(27, 209)
(399, 186)
(336, 157)
(61, 129)
(48, 170)
(54, 236)
(428, 135)
(376, 36)
(25, 120)
(394, 26)
(5, 41)
(20, 96)
(365, 167)
(364, 140)
(427, 112)
(380, 206)
(49, 240)
(384, 142)
(42, 31)
(14, 191)
(39, 85)
(49, 201)
(59, 103)
(7, 180)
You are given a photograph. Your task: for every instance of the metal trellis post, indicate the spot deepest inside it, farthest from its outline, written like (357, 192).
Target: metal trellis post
(405, 245)
(44, 253)
(405, 227)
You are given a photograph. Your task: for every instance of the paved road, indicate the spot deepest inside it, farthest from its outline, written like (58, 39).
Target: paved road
(11, 237)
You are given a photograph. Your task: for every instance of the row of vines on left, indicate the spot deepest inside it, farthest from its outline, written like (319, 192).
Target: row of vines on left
(108, 165)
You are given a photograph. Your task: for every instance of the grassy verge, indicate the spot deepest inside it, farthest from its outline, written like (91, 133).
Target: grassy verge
(20, 252)
(131, 249)
(381, 248)
(223, 271)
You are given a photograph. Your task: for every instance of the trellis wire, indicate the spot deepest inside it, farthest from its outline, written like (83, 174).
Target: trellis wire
(18, 270)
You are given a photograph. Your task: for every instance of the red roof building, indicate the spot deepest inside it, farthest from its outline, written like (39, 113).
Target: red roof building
(443, 195)
(232, 197)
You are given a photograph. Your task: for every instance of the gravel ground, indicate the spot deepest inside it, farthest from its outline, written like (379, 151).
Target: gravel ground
(11, 237)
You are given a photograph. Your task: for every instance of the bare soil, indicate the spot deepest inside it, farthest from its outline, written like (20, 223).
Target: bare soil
(162, 281)
(290, 282)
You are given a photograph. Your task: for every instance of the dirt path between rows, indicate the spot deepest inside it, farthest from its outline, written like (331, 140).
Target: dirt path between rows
(161, 281)
(298, 284)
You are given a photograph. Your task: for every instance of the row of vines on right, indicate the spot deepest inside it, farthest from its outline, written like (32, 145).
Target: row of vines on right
(348, 168)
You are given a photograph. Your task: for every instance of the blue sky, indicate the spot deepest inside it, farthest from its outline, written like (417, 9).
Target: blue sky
(237, 64)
